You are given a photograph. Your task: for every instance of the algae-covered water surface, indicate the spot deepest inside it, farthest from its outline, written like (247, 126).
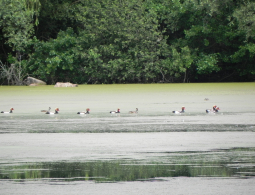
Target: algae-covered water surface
(151, 145)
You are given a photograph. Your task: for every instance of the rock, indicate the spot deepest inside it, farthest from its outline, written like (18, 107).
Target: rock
(33, 81)
(59, 84)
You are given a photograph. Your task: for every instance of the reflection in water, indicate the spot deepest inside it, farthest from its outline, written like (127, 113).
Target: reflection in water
(236, 162)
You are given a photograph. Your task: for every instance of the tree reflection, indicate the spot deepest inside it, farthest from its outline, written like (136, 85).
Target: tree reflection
(236, 162)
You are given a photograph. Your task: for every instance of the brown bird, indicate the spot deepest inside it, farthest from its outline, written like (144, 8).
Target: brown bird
(134, 112)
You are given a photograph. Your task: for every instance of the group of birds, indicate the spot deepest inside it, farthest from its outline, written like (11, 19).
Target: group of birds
(130, 112)
(213, 110)
(82, 112)
(86, 112)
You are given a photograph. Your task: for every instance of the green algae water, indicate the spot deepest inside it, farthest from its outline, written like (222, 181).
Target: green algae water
(149, 97)
(153, 145)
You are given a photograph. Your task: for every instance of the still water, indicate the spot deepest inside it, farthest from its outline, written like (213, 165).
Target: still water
(153, 151)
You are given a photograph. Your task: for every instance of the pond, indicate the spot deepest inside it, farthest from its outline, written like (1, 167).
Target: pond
(147, 151)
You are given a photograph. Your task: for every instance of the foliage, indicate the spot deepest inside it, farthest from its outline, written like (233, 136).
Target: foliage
(16, 24)
(113, 41)
(54, 58)
(245, 54)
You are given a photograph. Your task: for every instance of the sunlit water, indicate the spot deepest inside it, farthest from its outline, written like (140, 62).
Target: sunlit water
(153, 145)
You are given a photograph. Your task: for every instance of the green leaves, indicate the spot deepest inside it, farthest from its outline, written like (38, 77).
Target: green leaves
(55, 56)
(207, 63)
(119, 38)
(16, 23)
(112, 41)
(245, 16)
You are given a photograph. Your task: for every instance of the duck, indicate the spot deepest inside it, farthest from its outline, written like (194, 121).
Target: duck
(87, 111)
(134, 112)
(206, 99)
(178, 112)
(217, 109)
(11, 109)
(56, 111)
(115, 112)
(214, 110)
(46, 110)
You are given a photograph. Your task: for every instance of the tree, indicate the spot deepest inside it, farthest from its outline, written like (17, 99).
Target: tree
(208, 30)
(56, 58)
(16, 24)
(120, 41)
(114, 41)
(245, 55)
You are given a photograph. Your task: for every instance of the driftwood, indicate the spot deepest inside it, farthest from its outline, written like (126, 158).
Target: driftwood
(59, 84)
(34, 82)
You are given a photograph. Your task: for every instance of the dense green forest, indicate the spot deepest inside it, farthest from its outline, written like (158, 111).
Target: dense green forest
(127, 41)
